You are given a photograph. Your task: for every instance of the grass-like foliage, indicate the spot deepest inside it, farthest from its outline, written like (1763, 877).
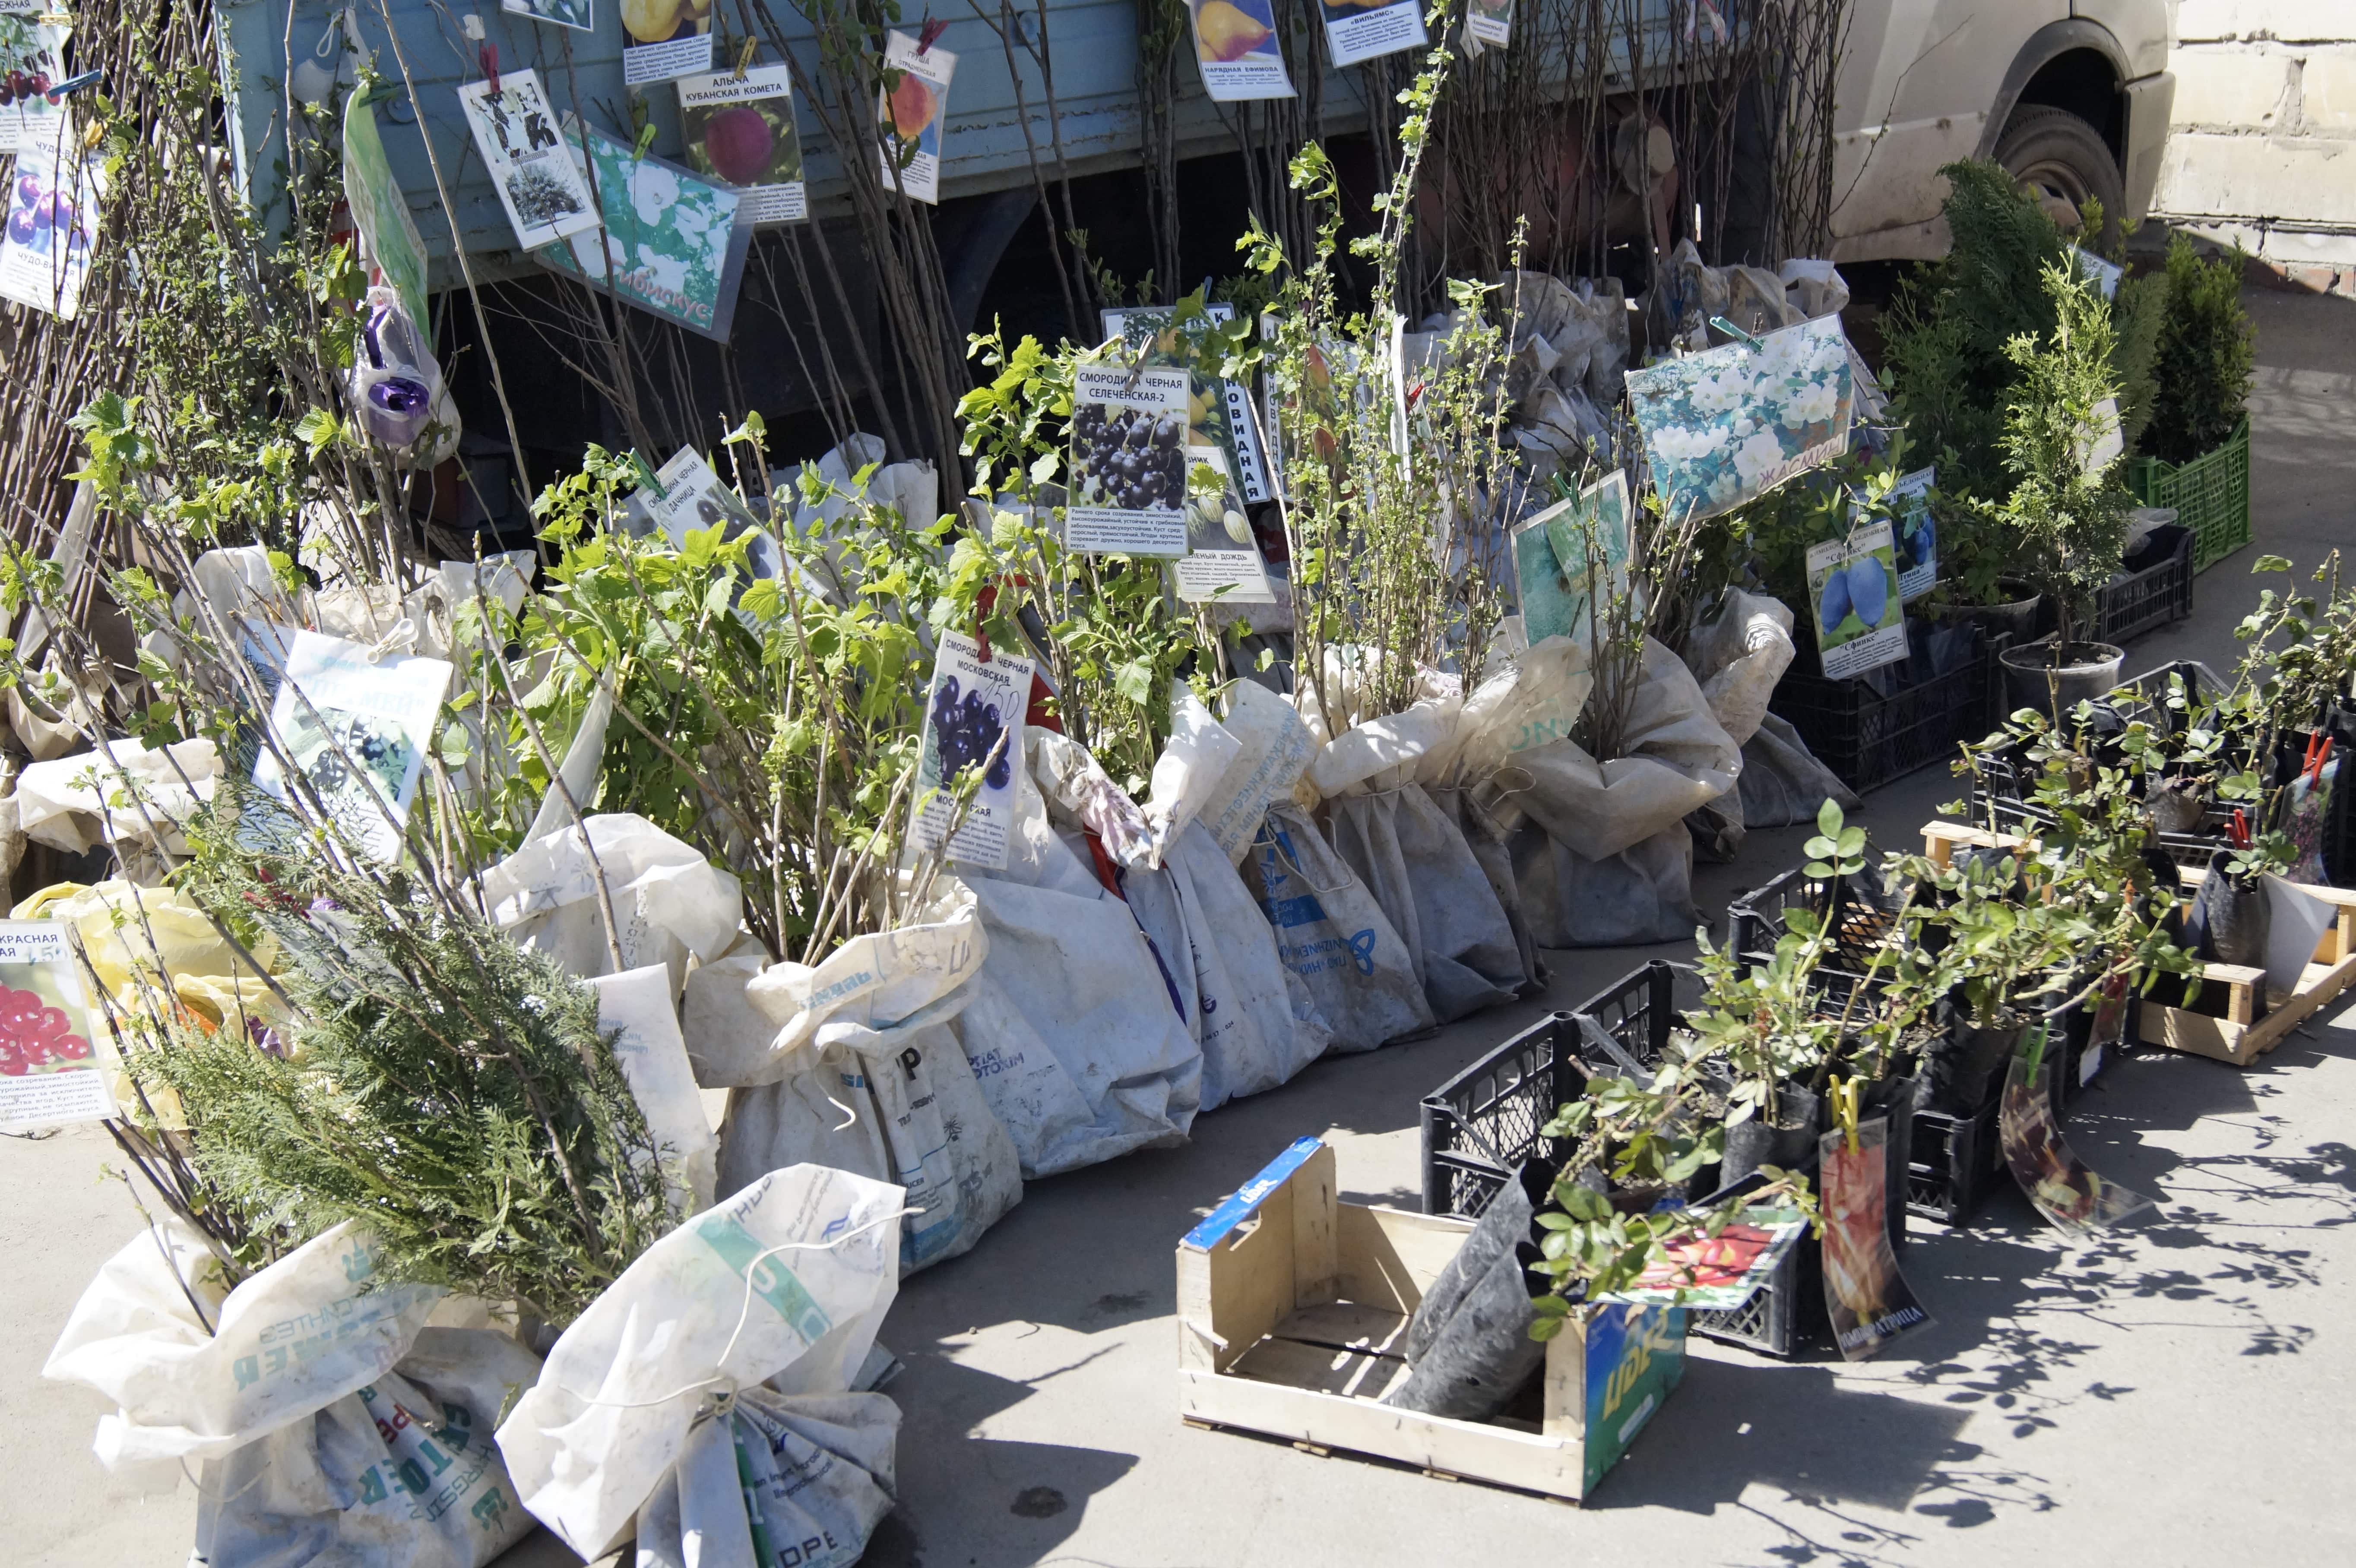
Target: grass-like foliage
(446, 1088)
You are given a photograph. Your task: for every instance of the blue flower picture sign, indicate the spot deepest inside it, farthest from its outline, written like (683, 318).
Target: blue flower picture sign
(1729, 424)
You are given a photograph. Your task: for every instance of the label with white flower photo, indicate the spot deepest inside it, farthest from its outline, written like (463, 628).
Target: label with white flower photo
(1356, 32)
(1860, 619)
(55, 1064)
(356, 727)
(1222, 560)
(1127, 461)
(1235, 48)
(913, 111)
(1729, 423)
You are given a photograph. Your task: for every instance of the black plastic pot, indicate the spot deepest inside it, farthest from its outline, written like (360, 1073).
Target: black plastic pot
(2019, 618)
(1789, 1145)
(1469, 1349)
(1964, 1067)
(2178, 804)
(2232, 914)
(2088, 670)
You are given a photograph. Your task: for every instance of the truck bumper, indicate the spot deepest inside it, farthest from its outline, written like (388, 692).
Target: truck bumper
(2149, 102)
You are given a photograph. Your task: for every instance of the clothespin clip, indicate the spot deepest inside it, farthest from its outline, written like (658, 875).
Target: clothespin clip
(2238, 830)
(488, 55)
(646, 480)
(1562, 487)
(744, 55)
(932, 31)
(56, 94)
(1844, 1107)
(2318, 752)
(1735, 332)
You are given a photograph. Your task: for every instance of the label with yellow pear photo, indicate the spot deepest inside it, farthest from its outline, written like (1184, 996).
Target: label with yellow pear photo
(1234, 45)
(663, 40)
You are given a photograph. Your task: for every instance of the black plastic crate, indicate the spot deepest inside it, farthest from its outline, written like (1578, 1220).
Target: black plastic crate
(1483, 1123)
(2156, 591)
(1636, 1013)
(1860, 924)
(1868, 738)
(1956, 1163)
(1785, 1318)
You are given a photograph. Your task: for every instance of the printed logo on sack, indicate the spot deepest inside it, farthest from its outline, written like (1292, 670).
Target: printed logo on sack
(1273, 874)
(1362, 951)
(769, 1276)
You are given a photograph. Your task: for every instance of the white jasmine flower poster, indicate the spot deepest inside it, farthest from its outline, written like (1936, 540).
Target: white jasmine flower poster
(1729, 424)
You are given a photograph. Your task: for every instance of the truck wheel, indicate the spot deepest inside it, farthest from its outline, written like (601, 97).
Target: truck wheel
(2062, 161)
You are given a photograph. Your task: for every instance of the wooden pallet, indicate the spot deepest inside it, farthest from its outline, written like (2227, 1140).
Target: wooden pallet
(1292, 1309)
(2238, 1019)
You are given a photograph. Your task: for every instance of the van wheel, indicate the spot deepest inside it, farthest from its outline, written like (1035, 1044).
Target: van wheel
(2062, 161)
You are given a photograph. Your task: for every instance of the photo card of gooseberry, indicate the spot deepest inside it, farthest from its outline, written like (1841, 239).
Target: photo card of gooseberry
(1128, 460)
(913, 103)
(1222, 559)
(973, 724)
(55, 1066)
(1860, 619)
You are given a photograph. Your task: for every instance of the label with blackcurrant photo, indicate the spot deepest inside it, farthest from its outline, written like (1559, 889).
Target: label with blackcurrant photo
(1222, 559)
(1128, 461)
(1218, 412)
(687, 495)
(355, 723)
(55, 1066)
(973, 724)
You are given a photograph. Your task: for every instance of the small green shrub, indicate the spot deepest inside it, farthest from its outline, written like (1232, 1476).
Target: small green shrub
(2206, 349)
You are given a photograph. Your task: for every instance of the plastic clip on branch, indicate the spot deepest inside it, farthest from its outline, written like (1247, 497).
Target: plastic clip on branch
(1735, 332)
(56, 94)
(931, 33)
(488, 55)
(1844, 1107)
(744, 55)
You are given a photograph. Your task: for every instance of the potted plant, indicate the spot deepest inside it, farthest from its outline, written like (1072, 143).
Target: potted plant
(2203, 365)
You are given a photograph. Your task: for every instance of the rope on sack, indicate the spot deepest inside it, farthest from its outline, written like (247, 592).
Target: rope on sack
(743, 1314)
(1276, 842)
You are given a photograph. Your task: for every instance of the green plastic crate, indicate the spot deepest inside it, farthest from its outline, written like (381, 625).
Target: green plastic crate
(2210, 495)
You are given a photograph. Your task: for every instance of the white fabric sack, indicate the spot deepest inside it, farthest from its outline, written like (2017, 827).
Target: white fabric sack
(863, 1075)
(784, 1281)
(730, 1040)
(1353, 974)
(669, 903)
(1071, 1029)
(185, 1394)
(1414, 858)
(1782, 782)
(119, 794)
(818, 1468)
(1486, 840)
(403, 1474)
(1739, 654)
(653, 1059)
(1190, 772)
(1239, 1004)
(1642, 894)
(1273, 751)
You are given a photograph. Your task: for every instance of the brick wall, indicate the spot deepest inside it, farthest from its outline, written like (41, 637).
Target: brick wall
(2262, 146)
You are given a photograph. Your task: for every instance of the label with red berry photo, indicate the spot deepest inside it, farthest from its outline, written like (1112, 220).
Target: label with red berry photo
(54, 1065)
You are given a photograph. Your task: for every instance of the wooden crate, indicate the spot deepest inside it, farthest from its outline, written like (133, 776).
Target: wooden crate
(1292, 1308)
(2246, 1021)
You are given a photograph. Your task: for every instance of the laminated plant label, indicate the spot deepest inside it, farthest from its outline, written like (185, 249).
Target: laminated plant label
(1868, 1300)
(356, 729)
(1128, 490)
(1916, 546)
(1356, 32)
(1633, 1357)
(1218, 412)
(1729, 423)
(2106, 275)
(742, 132)
(55, 1066)
(1222, 561)
(1853, 594)
(52, 225)
(689, 495)
(1490, 23)
(1720, 1273)
(32, 60)
(2101, 441)
(2075, 1199)
(674, 243)
(1236, 50)
(1306, 422)
(580, 14)
(390, 243)
(912, 108)
(523, 149)
(665, 39)
(1567, 555)
(973, 722)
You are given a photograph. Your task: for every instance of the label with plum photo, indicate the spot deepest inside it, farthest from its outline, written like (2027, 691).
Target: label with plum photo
(54, 1065)
(52, 228)
(1852, 594)
(912, 108)
(973, 722)
(742, 131)
(1128, 461)
(1918, 534)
